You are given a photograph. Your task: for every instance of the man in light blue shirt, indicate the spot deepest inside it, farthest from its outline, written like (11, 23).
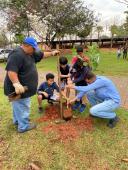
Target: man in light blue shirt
(102, 95)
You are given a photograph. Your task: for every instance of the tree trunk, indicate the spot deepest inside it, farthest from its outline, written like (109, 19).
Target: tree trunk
(112, 41)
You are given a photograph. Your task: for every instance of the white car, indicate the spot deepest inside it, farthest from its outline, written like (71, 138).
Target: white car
(4, 54)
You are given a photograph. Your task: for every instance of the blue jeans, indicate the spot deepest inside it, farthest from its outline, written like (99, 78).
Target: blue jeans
(21, 110)
(102, 109)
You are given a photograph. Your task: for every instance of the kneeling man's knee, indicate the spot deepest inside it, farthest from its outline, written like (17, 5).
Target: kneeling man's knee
(92, 111)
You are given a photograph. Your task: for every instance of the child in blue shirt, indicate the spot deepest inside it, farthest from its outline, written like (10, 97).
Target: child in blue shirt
(46, 91)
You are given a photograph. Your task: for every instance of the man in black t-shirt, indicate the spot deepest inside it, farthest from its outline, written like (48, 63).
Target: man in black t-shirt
(21, 71)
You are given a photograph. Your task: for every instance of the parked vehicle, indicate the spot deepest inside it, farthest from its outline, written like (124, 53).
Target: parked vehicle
(4, 54)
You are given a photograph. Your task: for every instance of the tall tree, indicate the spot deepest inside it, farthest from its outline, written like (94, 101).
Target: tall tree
(125, 25)
(60, 17)
(3, 39)
(99, 29)
(65, 17)
(114, 31)
(17, 15)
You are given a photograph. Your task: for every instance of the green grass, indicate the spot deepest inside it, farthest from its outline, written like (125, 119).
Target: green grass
(100, 149)
(109, 65)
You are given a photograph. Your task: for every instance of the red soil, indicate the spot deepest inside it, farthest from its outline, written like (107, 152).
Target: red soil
(51, 113)
(66, 131)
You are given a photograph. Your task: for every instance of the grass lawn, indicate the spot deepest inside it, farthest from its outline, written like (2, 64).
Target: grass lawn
(99, 149)
(109, 65)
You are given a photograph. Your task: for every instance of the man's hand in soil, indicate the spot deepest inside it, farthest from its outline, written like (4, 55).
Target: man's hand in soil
(19, 89)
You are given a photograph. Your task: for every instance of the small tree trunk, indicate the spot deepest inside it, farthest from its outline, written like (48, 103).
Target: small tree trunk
(111, 42)
(59, 83)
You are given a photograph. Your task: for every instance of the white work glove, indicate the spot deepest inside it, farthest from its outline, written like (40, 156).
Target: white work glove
(19, 89)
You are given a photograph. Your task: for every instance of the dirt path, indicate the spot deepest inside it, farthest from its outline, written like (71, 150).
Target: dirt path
(121, 83)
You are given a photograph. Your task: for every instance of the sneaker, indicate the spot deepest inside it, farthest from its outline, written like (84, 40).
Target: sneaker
(50, 102)
(112, 122)
(82, 108)
(31, 126)
(16, 123)
(76, 106)
(40, 109)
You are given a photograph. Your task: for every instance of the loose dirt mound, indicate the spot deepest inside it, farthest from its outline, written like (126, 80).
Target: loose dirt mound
(51, 113)
(66, 131)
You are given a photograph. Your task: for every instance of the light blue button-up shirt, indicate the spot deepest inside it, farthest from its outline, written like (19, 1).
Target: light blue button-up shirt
(103, 87)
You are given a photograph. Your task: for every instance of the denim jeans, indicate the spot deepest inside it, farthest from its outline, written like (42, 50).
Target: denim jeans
(21, 110)
(100, 108)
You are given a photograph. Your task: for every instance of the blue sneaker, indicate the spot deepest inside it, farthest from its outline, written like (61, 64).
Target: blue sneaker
(76, 106)
(82, 108)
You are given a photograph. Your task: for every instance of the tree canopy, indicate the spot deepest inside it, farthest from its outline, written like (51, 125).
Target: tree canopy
(60, 17)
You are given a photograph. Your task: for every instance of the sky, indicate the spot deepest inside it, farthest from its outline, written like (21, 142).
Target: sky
(109, 11)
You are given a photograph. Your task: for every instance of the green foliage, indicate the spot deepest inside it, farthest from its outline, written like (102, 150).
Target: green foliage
(59, 17)
(17, 17)
(84, 32)
(94, 54)
(61, 20)
(125, 25)
(99, 29)
(114, 30)
(19, 25)
(74, 51)
(3, 40)
(19, 38)
(119, 31)
(108, 65)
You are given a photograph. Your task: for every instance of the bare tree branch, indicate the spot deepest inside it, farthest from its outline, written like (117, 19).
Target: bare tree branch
(122, 1)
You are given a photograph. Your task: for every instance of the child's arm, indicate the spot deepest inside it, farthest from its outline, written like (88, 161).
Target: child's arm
(44, 93)
(65, 76)
(56, 87)
(80, 78)
(41, 89)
